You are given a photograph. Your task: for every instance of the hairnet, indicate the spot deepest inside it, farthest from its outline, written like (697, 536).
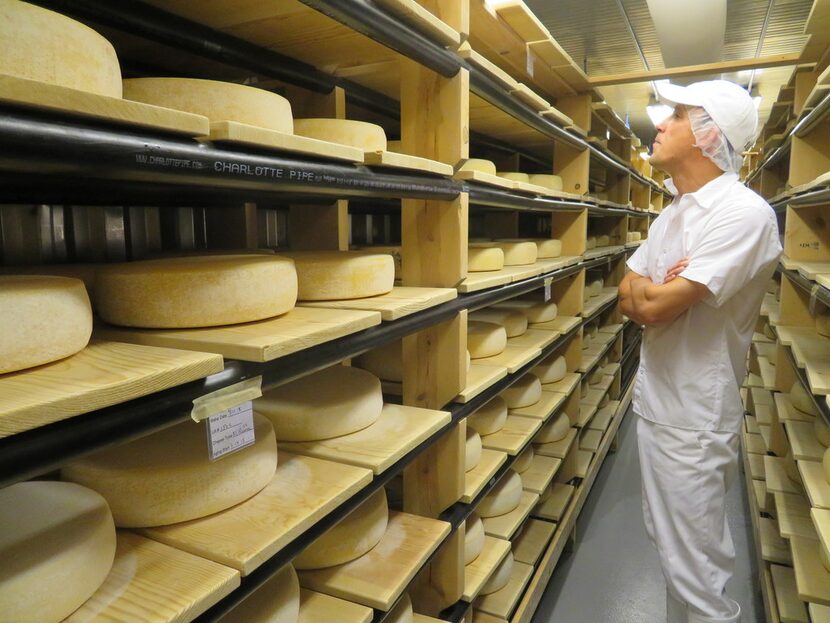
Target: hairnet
(712, 142)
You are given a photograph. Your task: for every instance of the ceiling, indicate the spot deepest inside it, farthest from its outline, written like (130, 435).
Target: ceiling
(596, 34)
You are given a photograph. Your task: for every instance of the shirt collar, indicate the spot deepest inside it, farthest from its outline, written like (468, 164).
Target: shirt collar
(708, 194)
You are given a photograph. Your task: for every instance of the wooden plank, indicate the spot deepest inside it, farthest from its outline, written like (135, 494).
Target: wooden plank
(603, 417)
(776, 476)
(554, 507)
(507, 81)
(539, 475)
(479, 378)
(525, 94)
(318, 607)
(762, 497)
(474, 282)
(819, 613)
(102, 374)
(590, 440)
(548, 404)
(419, 17)
(505, 526)
(563, 324)
(812, 352)
(821, 525)
(557, 449)
(818, 490)
(155, 583)
(512, 357)
(586, 413)
(405, 161)
(514, 436)
(435, 362)
(565, 386)
(502, 602)
(534, 338)
(793, 515)
(378, 578)
(522, 21)
(480, 475)
(802, 437)
(811, 578)
(401, 301)
(302, 492)
(773, 547)
(435, 479)
(480, 177)
(479, 571)
(756, 466)
(790, 608)
(752, 425)
(265, 340)
(754, 444)
(583, 462)
(530, 543)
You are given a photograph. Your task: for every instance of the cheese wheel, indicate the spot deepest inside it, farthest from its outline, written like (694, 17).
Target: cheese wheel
(204, 291)
(769, 332)
(385, 362)
(394, 251)
(337, 401)
(554, 430)
(595, 286)
(524, 392)
(822, 554)
(473, 450)
(57, 544)
(634, 236)
(43, 319)
(168, 477)
(535, 311)
(503, 498)
(604, 400)
(596, 376)
(479, 164)
(823, 324)
(352, 537)
(553, 182)
(791, 469)
(515, 176)
(337, 275)
(490, 417)
(822, 431)
(591, 243)
(551, 370)
(485, 339)
(473, 538)
(402, 612)
(592, 330)
(37, 44)
(514, 323)
(84, 272)
(519, 253)
(523, 461)
(603, 241)
(801, 399)
(216, 100)
(276, 601)
(500, 577)
(360, 134)
(825, 463)
(548, 248)
(484, 259)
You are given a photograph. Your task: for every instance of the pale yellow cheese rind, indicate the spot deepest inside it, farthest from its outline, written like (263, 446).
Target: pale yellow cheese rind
(472, 454)
(342, 275)
(515, 176)
(554, 430)
(276, 601)
(479, 164)
(360, 134)
(57, 546)
(503, 498)
(523, 461)
(524, 392)
(485, 339)
(551, 370)
(801, 399)
(535, 311)
(203, 291)
(519, 253)
(514, 323)
(823, 324)
(553, 182)
(473, 538)
(500, 577)
(42, 319)
(490, 417)
(484, 259)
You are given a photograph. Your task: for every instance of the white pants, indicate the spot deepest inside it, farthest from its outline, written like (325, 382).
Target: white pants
(686, 474)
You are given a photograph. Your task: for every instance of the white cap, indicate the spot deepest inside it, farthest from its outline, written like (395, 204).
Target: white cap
(728, 104)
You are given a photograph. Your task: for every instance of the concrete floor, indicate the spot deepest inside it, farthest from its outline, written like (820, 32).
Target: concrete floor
(613, 575)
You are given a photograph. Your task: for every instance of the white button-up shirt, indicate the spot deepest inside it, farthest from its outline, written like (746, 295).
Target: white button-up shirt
(691, 369)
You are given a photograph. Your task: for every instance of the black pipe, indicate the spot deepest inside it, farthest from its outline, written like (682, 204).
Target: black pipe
(484, 195)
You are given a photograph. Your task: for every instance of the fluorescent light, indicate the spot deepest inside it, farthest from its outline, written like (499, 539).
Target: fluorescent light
(658, 112)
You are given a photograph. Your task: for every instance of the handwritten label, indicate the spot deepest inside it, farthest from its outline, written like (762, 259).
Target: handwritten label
(548, 283)
(230, 430)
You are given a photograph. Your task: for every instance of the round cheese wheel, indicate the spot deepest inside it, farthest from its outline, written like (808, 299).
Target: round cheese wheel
(385, 362)
(337, 401)
(57, 544)
(473, 538)
(337, 275)
(167, 477)
(523, 461)
(276, 601)
(360, 134)
(604, 400)
(822, 554)
(503, 498)
(402, 612)
(479, 164)
(485, 339)
(84, 272)
(524, 392)
(473, 450)
(823, 324)
(484, 259)
(490, 417)
(554, 430)
(769, 332)
(394, 251)
(596, 377)
(515, 176)
(43, 319)
(553, 182)
(535, 311)
(635, 236)
(551, 370)
(38, 44)
(514, 323)
(603, 241)
(548, 248)
(825, 463)
(216, 100)
(586, 341)
(500, 577)
(351, 537)
(801, 399)
(822, 431)
(204, 291)
(595, 287)
(591, 242)
(519, 253)
(791, 469)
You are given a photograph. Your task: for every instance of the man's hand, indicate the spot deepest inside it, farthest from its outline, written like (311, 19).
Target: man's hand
(675, 270)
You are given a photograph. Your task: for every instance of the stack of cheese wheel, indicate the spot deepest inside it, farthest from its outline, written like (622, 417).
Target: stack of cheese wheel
(338, 275)
(337, 401)
(551, 182)
(276, 601)
(472, 455)
(555, 429)
(801, 400)
(523, 461)
(526, 391)
(503, 498)
(485, 339)
(515, 176)
(500, 577)
(514, 323)
(167, 477)
(482, 258)
(44, 319)
(57, 544)
(489, 418)
(546, 248)
(385, 362)
(534, 309)
(480, 165)
(204, 291)
(352, 537)
(360, 134)
(551, 370)
(473, 538)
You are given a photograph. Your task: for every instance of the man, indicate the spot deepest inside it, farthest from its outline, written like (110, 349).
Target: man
(697, 284)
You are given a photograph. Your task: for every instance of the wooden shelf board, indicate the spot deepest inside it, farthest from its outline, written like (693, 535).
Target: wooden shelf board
(479, 378)
(763, 416)
(155, 583)
(586, 414)
(542, 410)
(593, 396)
(512, 357)
(776, 476)
(534, 338)
(811, 352)
(553, 509)
(539, 475)
(475, 282)
(767, 373)
(102, 374)
(563, 324)
(480, 475)
(531, 542)
(756, 466)
(556, 449)
(790, 608)
(773, 547)
(514, 436)
(260, 341)
(505, 526)
(793, 515)
(395, 160)
(590, 440)
(819, 613)
(595, 302)
(752, 425)
(787, 412)
(401, 301)
(754, 444)
(378, 578)
(811, 578)
(484, 178)
(565, 386)
(759, 489)
(820, 522)
(244, 536)
(802, 438)
(583, 462)
(479, 571)
(481, 62)
(398, 430)
(812, 475)
(603, 417)
(502, 602)
(318, 607)
(422, 19)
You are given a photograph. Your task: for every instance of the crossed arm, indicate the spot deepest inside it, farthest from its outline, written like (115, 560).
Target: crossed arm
(651, 304)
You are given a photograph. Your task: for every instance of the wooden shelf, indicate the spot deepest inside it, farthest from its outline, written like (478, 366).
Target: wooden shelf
(505, 526)
(530, 543)
(590, 440)
(512, 357)
(514, 436)
(790, 608)
(762, 497)
(812, 475)
(586, 414)
(481, 474)
(811, 578)
(787, 412)
(754, 444)
(542, 410)
(400, 302)
(595, 302)
(479, 378)
(820, 523)
(773, 547)
(583, 463)
(539, 475)
(812, 353)
(565, 386)
(479, 571)
(756, 466)
(563, 324)
(793, 515)
(557, 449)
(752, 425)
(603, 417)
(534, 338)
(503, 601)
(476, 282)
(802, 437)
(318, 607)
(776, 476)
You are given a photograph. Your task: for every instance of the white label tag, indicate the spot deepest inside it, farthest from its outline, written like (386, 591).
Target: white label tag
(230, 430)
(548, 283)
(531, 62)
